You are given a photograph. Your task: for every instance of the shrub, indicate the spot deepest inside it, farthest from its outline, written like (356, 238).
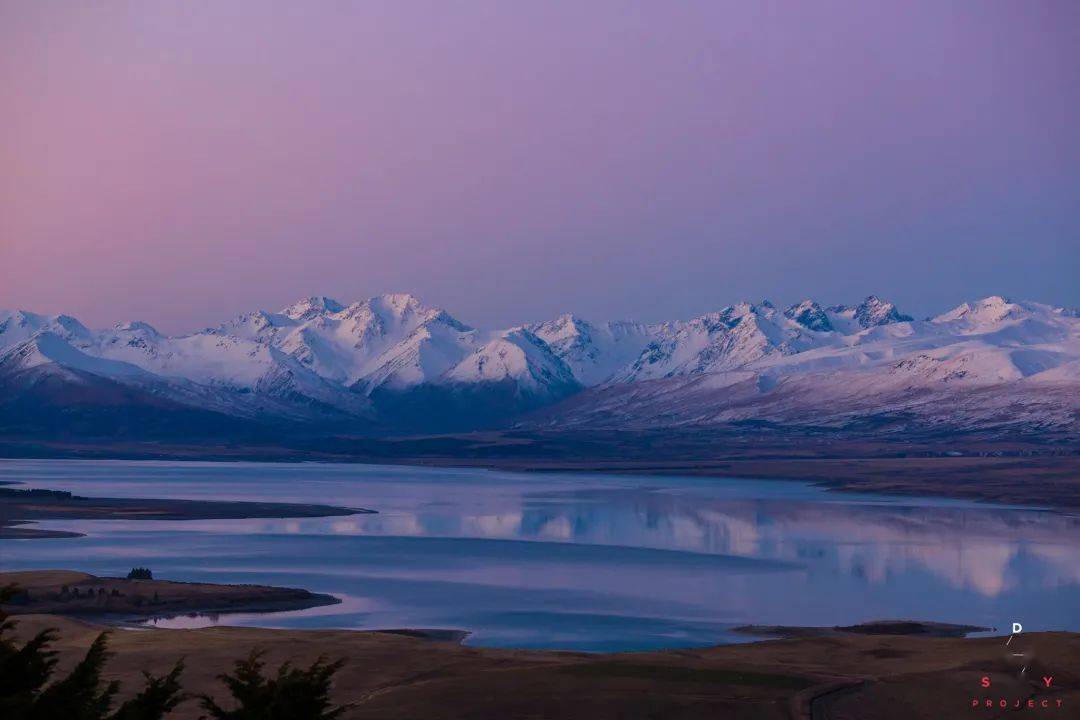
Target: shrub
(25, 692)
(140, 573)
(293, 694)
(159, 695)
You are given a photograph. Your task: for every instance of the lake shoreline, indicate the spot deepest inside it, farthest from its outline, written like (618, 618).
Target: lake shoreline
(19, 508)
(590, 562)
(399, 675)
(116, 600)
(907, 628)
(1023, 474)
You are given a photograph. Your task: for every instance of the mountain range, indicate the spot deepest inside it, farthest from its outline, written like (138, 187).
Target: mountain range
(393, 364)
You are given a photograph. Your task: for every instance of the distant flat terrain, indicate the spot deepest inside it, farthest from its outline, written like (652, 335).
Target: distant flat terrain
(1051, 481)
(1011, 472)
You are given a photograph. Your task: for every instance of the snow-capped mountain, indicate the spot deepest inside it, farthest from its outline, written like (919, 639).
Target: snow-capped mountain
(715, 342)
(389, 346)
(516, 356)
(594, 352)
(746, 335)
(871, 312)
(393, 361)
(224, 372)
(391, 340)
(991, 365)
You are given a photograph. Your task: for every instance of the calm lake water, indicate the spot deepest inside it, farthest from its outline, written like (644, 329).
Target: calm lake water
(576, 561)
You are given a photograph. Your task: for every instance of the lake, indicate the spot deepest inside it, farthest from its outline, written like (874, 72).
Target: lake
(573, 561)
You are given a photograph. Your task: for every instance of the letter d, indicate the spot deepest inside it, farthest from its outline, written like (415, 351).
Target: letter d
(1017, 628)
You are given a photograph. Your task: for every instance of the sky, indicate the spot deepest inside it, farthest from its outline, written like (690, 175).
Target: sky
(181, 162)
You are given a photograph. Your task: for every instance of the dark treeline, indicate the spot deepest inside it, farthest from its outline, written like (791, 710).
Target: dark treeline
(29, 689)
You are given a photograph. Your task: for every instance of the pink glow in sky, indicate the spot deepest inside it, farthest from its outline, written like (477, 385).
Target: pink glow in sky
(181, 162)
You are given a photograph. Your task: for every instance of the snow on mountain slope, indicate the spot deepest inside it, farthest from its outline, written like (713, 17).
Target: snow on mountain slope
(868, 401)
(735, 337)
(594, 351)
(516, 355)
(422, 356)
(395, 342)
(391, 339)
(49, 349)
(18, 326)
(810, 315)
(871, 312)
(229, 362)
(310, 307)
(321, 359)
(234, 372)
(989, 364)
(977, 341)
(986, 312)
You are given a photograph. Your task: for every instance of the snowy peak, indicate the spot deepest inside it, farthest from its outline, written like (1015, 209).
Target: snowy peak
(594, 352)
(422, 356)
(17, 326)
(47, 348)
(517, 356)
(257, 326)
(1001, 322)
(402, 307)
(366, 344)
(810, 315)
(566, 329)
(394, 309)
(320, 358)
(309, 307)
(874, 311)
(719, 341)
(989, 310)
(68, 326)
(137, 326)
(871, 312)
(392, 315)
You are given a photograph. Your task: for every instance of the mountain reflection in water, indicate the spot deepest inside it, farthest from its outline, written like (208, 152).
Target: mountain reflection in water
(576, 561)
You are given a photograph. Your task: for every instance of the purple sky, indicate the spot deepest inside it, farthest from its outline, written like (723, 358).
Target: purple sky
(181, 162)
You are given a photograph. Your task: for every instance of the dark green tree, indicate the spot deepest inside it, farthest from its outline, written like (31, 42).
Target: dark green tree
(159, 695)
(79, 696)
(293, 694)
(23, 670)
(25, 692)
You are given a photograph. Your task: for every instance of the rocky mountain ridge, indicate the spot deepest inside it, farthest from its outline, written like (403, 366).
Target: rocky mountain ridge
(391, 361)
